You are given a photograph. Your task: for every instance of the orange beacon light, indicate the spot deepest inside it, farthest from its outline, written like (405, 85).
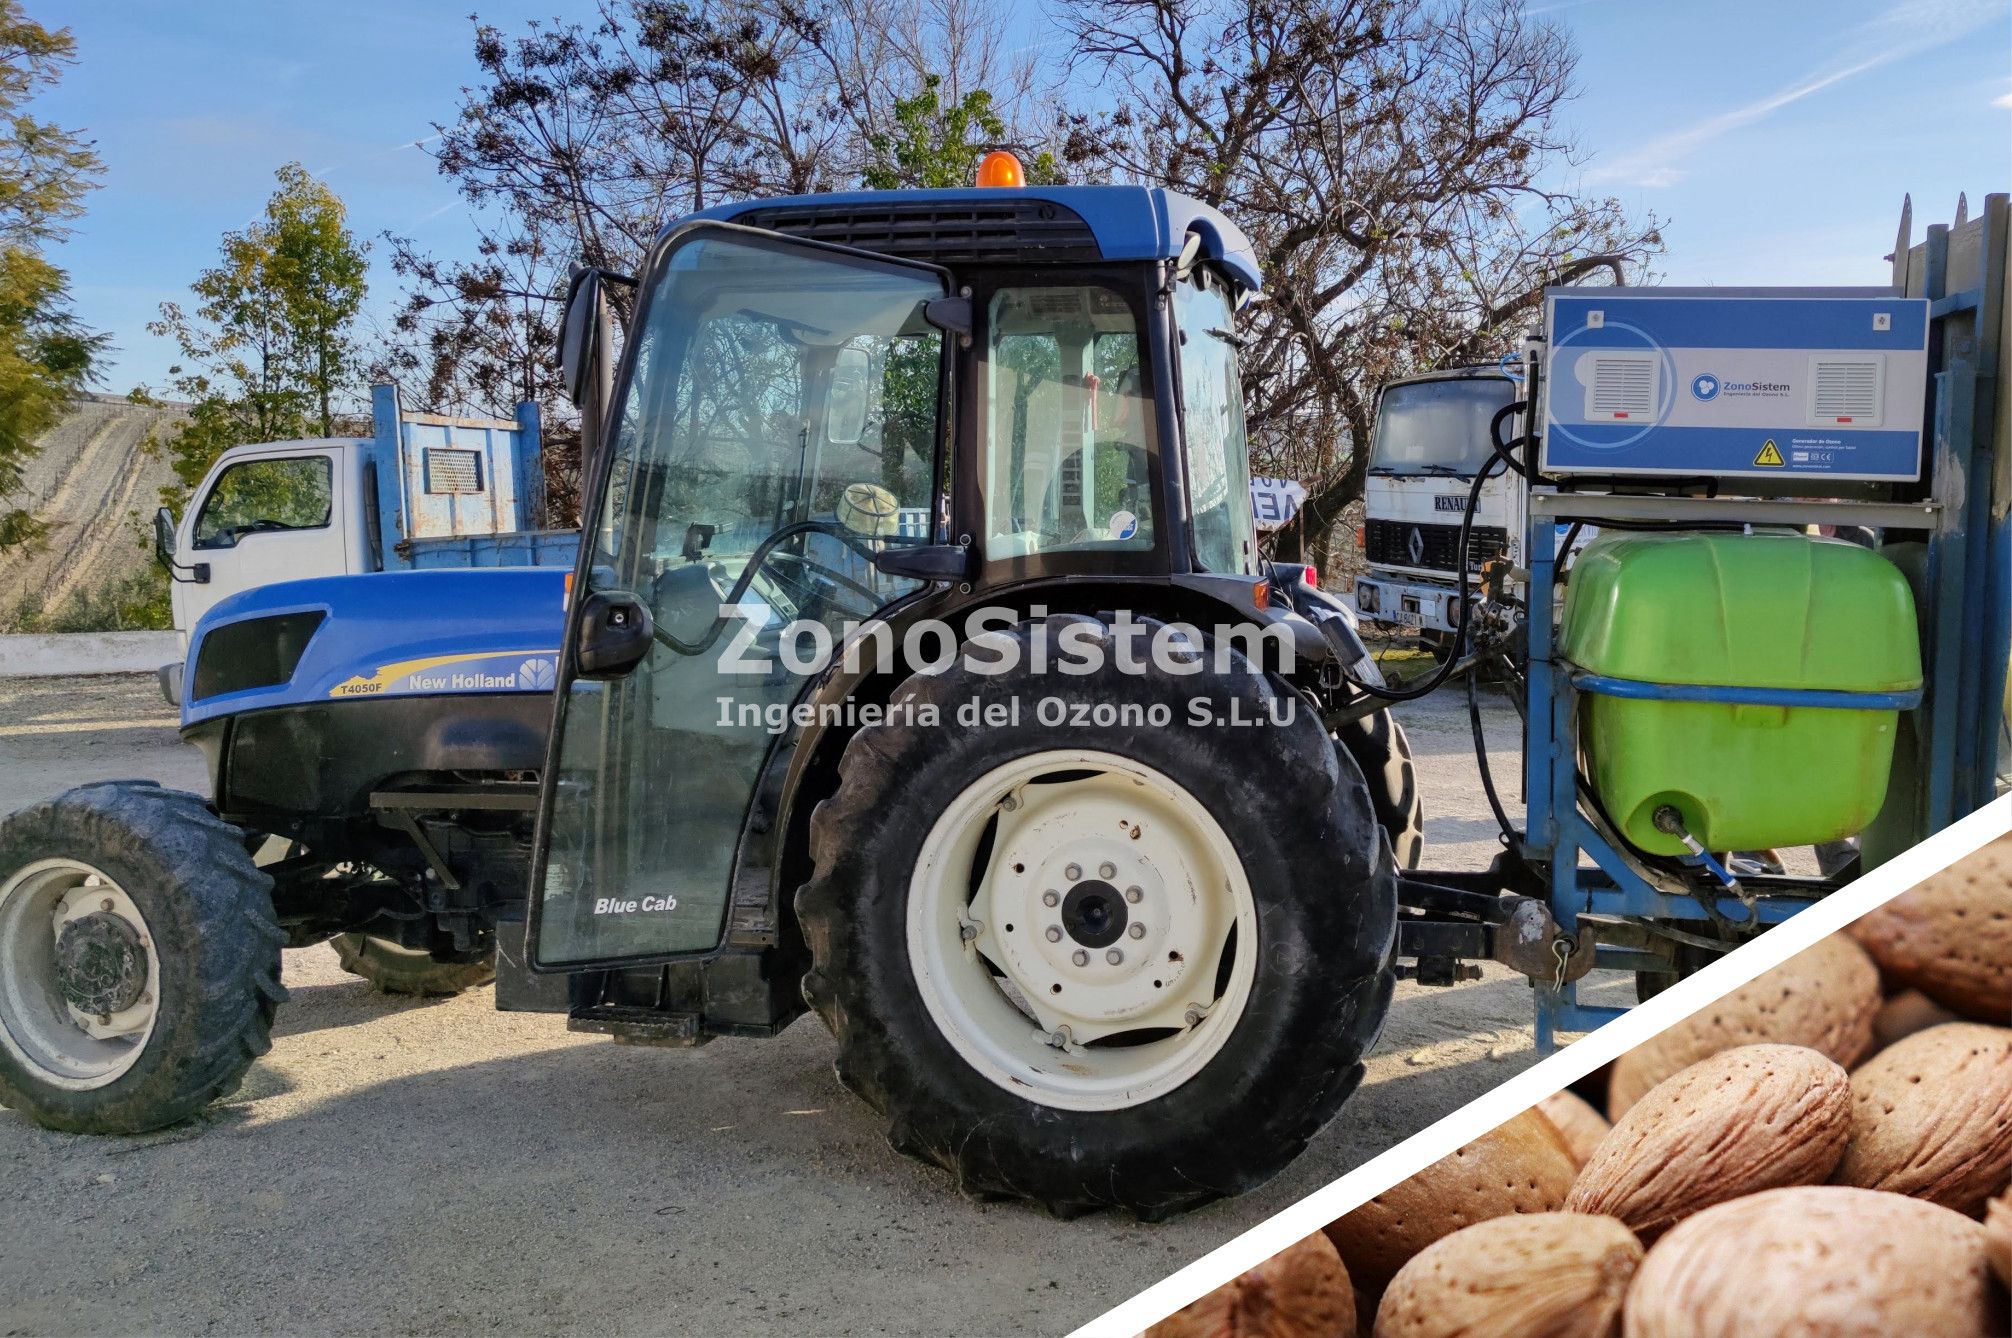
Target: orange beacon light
(1000, 168)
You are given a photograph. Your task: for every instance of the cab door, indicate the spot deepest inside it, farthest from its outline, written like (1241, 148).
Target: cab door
(775, 426)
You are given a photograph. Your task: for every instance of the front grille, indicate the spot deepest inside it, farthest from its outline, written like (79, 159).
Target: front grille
(1388, 543)
(1018, 230)
(256, 653)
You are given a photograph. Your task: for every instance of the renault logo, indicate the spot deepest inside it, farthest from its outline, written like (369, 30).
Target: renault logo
(1415, 546)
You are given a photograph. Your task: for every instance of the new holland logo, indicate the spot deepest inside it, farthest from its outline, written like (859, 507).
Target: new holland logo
(1415, 546)
(539, 675)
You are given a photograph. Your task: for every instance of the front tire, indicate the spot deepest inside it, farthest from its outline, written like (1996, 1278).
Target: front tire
(139, 959)
(970, 979)
(1382, 752)
(399, 970)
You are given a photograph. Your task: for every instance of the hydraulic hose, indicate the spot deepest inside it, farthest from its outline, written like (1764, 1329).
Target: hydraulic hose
(1510, 836)
(1411, 692)
(1503, 448)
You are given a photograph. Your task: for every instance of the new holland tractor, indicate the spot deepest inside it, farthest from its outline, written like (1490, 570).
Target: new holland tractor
(1098, 909)
(918, 670)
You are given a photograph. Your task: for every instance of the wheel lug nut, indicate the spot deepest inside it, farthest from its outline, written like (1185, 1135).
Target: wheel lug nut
(1137, 930)
(105, 905)
(1193, 1015)
(1080, 958)
(1114, 957)
(1107, 870)
(1133, 895)
(1051, 898)
(1073, 872)
(1054, 933)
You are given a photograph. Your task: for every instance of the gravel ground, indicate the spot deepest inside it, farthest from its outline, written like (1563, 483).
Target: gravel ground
(436, 1167)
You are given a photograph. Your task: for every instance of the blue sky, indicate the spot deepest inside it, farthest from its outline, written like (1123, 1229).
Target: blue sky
(1774, 137)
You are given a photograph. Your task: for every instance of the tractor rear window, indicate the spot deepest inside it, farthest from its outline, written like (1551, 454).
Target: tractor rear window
(1068, 435)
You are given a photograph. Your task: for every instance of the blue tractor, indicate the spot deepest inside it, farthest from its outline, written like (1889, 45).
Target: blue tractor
(1108, 919)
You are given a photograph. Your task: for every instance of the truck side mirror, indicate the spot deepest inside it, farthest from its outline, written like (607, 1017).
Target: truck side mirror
(164, 537)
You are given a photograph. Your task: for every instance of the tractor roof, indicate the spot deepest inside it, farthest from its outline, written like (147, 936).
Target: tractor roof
(1030, 223)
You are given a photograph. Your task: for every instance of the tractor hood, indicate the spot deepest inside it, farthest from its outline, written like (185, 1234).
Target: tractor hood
(389, 634)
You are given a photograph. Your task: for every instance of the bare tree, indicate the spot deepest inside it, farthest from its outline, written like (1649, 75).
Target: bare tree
(1390, 160)
(582, 139)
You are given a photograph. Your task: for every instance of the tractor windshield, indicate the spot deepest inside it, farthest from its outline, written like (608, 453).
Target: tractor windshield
(778, 429)
(1437, 427)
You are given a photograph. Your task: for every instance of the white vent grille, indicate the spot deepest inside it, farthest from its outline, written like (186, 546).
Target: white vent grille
(453, 471)
(1846, 390)
(1620, 386)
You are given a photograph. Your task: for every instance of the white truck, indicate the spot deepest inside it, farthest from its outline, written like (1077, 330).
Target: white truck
(1431, 438)
(422, 491)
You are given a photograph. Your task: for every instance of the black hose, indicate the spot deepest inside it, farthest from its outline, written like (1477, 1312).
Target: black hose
(1501, 447)
(1510, 837)
(1412, 691)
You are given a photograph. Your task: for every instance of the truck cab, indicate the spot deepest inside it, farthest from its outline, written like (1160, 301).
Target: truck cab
(422, 491)
(1431, 439)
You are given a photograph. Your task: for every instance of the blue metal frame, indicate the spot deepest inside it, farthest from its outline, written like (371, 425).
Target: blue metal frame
(1966, 613)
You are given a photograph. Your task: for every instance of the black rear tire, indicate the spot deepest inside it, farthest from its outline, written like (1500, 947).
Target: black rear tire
(395, 970)
(1299, 817)
(209, 913)
(1383, 754)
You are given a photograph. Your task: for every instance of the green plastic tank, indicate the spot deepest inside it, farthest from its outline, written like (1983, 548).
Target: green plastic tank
(1768, 610)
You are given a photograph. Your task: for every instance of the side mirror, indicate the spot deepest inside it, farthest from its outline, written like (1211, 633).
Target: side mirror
(584, 336)
(164, 537)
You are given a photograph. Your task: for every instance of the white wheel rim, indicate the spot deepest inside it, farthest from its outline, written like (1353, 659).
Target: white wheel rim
(43, 1030)
(1079, 1020)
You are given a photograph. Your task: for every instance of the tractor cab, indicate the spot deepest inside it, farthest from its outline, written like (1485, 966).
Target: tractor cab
(889, 690)
(836, 409)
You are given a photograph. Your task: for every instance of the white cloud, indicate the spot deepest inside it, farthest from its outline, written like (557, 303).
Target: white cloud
(2003, 100)
(1902, 30)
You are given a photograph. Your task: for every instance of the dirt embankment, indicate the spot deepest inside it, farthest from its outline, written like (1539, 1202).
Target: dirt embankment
(89, 480)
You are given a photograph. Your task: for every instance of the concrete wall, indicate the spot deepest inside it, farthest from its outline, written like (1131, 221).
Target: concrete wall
(66, 655)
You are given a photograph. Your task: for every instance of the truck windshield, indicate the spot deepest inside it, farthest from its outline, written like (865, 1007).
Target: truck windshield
(1437, 427)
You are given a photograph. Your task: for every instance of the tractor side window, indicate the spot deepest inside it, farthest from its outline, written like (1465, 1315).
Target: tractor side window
(1068, 436)
(1212, 415)
(259, 496)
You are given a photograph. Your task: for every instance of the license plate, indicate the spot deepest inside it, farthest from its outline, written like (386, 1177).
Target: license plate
(1406, 618)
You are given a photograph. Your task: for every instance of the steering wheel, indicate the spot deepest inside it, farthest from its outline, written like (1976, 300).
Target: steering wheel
(760, 558)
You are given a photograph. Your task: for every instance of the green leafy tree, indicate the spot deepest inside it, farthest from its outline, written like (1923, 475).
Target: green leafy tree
(933, 146)
(46, 356)
(270, 350)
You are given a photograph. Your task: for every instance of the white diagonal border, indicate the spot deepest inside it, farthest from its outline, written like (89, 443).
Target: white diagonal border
(1527, 1088)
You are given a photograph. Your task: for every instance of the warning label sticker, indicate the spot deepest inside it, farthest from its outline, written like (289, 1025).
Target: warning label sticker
(1770, 455)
